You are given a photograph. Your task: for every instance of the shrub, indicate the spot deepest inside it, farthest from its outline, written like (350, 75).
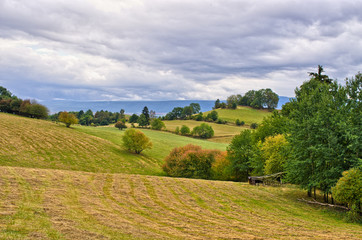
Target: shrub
(121, 124)
(185, 130)
(190, 161)
(157, 124)
(220, 121)
(349, 190)
(199, 117)
(239, 123)
(177, 130)
(253, 125)
(221, 167)
(67, 118)
(203, 131)
(135, 140)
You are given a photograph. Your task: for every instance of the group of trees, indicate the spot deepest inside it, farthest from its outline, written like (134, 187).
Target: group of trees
(183, 112)
(263, 98)
(28, 108)
(202, 131)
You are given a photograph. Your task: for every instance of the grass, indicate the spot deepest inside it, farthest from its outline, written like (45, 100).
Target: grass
(223, 133)
(61, 204)
(35, 143)
(246, 114)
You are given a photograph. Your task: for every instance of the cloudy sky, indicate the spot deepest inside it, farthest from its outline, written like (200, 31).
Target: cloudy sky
(163, 50)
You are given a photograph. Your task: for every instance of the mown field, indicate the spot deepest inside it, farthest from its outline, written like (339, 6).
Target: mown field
(59, 204)
(223, 133)
(35, 143)
(246, 114)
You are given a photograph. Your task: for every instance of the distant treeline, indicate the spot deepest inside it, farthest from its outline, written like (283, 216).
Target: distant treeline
(263, 98)
(100, 118)
(9, 103)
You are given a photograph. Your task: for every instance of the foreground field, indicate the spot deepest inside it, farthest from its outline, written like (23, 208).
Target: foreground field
(35, 143)
(58, 204)
(246, 114)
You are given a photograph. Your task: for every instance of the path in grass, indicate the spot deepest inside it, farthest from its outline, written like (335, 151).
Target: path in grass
(58, 204)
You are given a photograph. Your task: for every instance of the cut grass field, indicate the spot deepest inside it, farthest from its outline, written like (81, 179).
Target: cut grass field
(35, 143)
(246, 114)
(60, 204)
(223, 133)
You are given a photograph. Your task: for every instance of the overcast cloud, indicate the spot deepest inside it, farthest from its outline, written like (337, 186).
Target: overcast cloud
(163, 50)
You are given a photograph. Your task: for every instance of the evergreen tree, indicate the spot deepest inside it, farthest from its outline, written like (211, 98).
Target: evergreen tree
(146, 113)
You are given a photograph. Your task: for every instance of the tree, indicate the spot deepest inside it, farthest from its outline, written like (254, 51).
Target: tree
(349, 190)
(135, 140)
(213, 115)
(217, 104)
(146, 113)
(121, 124)
(157, 124)
(142, 121)
(203, 131)
(190, 161)
(240, 153)
(271, 99)
(122, 114)
(67, 118)
(322, 135)
(275, 153)
(38, 111)
(195, 108)
(185, 130)
(319, 76)
(133, 118)
(4, 93)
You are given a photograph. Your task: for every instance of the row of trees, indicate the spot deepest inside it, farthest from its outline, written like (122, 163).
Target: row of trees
(263, 98)
(183, 113)
(9, 103)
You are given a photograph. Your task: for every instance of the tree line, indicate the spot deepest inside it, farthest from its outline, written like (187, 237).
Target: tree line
(259, 99)
(10, 103)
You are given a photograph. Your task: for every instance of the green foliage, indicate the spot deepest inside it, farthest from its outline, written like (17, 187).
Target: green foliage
(240, 153)
(263, 98)
(199, 117)
(190, 161)
(121, 124)
(142, 121)
(135, 140)
(253, 125)
(185, 130)
(133, 118)
(349, 190)
(157, 124)
(177, 130)
(213, 115)
(67, 118)
(323, 133)
(275, 152)
(146, 114)
(203, 131)
(272, 125)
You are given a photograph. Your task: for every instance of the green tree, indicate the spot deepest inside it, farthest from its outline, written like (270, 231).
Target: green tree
(121, 124)
(319, 76)
(276, 153)
(185, 130)
(217, 104)
(4, 93)
(67, 118)
(157, 124)
(135, 140)
(133, 118)
(203, 131)
(146, 113)
(38, 111)
(195, 108)
(142, 121)
(349, 190)
(240, 152)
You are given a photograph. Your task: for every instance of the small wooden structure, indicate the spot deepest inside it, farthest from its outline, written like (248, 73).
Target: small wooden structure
(273, 179)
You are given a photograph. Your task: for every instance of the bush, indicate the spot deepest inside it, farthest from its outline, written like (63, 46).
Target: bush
(348, 190)
(203, 131)
(199, 117)
(121, 124)
(185, 130)
(177, 130)
(190, 161)
(221, 167)
(67, 118)
(253, 125)
(157, 124)
(220, 121)
(239, 123)
(135, 140)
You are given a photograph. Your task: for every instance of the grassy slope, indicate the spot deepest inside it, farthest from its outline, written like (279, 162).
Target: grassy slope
(58, 204)
(246, 114)
(37, 143)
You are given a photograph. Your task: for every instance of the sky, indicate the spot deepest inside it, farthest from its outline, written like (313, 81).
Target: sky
(173, 50)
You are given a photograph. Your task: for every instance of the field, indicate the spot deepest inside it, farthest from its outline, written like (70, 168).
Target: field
(246, 114)
(34, 143)
(79, 183)
(58, 204)
(223, 133)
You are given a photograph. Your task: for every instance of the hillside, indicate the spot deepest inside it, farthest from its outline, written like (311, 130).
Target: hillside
(247, 114)
(58, 204)
(35, 143)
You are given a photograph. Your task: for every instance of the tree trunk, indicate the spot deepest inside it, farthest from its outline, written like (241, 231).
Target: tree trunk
(309, 192)
(314, 189)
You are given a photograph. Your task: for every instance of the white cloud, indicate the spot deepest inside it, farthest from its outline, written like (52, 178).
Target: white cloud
(114, 50)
